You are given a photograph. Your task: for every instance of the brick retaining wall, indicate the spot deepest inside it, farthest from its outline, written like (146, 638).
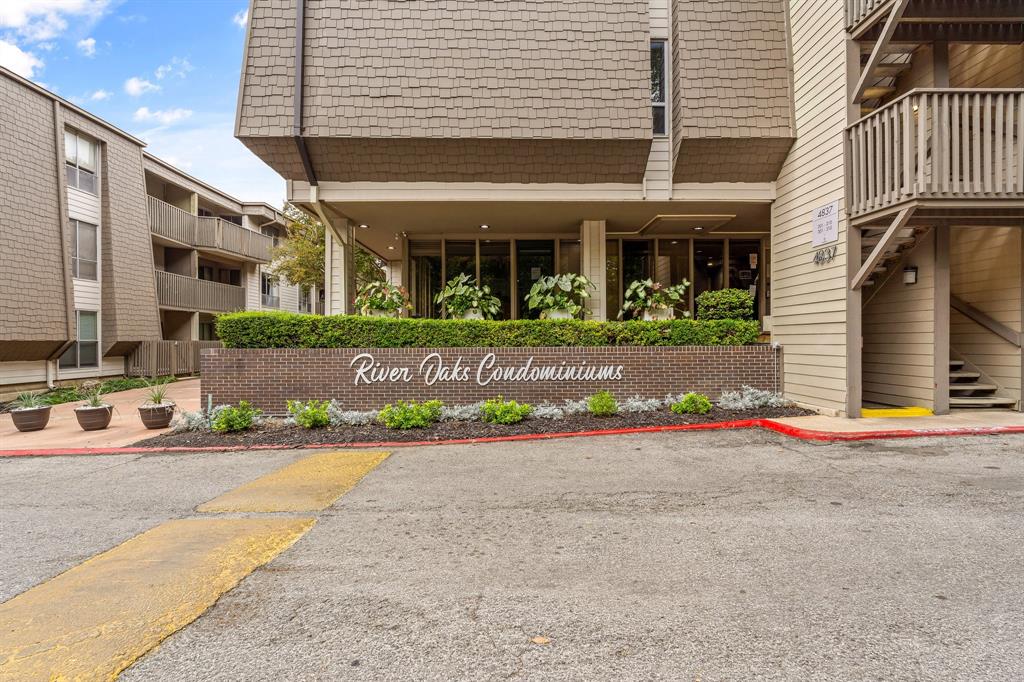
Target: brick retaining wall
(268, 378)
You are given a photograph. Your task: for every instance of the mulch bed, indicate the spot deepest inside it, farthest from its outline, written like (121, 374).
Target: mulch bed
(278, 434)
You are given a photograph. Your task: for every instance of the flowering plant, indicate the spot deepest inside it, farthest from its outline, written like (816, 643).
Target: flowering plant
(381, 296)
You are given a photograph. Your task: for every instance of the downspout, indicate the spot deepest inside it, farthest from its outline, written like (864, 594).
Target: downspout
(300, 142)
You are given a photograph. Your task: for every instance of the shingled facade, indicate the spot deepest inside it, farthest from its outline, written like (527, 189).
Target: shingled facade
(827, 156)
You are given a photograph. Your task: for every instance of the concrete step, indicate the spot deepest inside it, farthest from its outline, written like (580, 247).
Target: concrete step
(981, 401)
(963, 374)
(973, 386)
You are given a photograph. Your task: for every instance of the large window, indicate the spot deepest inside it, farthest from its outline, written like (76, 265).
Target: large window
(83, 250)
(80, 162)
(496, 272)
(85, 351)
(268, 291)
(424, 279)
(305, 300)
(659, 108)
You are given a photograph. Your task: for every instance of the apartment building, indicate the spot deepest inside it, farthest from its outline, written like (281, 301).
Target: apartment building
(854, 164)
(104, 247)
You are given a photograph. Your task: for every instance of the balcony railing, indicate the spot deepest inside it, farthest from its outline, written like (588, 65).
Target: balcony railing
(217, 233)
(859, 10)
(181, 226)
(189, 293)
(938, 144)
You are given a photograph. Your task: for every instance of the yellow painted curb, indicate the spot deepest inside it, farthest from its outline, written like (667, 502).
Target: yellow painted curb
(96, 619)
(897, 412)
(311, 484)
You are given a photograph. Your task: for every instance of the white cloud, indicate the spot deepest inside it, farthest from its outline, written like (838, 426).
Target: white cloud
(135, 86)
(100, 95)
(87, 46)
(178, 66)
(241, 18)
(38, 20)
(17, 60)
(211, 153)
(166, 117)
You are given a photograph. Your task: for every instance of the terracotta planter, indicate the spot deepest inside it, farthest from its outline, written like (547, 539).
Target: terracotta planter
(94, 418)
(156, 416)
(31, 419)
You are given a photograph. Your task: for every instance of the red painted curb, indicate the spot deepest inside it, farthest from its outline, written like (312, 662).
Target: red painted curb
(771, 425)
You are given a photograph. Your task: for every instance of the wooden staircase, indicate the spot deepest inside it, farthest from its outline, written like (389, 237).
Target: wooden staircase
(966, 389)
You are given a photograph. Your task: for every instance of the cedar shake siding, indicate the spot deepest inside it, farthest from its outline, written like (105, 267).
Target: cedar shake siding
(732, 104)
(129, 312)
(451, 90)
(34, 277)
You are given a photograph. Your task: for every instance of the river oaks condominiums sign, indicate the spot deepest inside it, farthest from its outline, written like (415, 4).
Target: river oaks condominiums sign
(433, 369)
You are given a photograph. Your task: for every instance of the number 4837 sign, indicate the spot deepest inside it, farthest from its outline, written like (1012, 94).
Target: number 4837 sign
(825, 230)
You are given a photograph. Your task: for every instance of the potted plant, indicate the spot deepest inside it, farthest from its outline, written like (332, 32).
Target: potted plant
(157, 411)
(559, 297)
(462, 297)
(653, 300)
(31, 412)
(94, 414)
(381, 299)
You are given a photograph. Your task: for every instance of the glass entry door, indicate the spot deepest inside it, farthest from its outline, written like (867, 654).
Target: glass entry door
(535, 258)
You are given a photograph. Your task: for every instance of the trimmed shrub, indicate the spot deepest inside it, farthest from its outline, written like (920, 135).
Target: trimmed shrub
(410, 415)
(311, 414)
(231, 418)
(725, 304)
(692, 403)
(294, 330)
(603, 404)
(501, 411)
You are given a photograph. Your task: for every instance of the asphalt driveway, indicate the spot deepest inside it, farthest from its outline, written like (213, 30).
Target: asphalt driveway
(698, 556)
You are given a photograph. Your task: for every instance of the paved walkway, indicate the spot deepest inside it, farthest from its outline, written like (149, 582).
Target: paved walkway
(710, 556)
(125, 428)
(959, 419)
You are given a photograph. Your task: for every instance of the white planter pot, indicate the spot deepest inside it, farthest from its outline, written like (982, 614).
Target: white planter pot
(473, 314)
(659, 314)
(381, 313)
(557, 314)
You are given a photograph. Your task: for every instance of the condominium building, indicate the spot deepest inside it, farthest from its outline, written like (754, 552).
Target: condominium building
(855, 164)
(104, 248)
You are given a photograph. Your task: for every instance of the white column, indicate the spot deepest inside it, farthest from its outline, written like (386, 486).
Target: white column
(340, 272)
(593, 265)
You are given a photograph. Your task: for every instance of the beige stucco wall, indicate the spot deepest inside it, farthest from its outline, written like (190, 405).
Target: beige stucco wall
(809, 301)
(732, 109)
(453, 90)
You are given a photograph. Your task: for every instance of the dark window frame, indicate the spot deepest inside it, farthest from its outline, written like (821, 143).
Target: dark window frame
(659, 95)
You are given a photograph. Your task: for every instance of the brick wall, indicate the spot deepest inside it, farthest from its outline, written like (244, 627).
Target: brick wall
(268, 378)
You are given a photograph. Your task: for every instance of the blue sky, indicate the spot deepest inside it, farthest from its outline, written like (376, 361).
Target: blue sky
(164, 70)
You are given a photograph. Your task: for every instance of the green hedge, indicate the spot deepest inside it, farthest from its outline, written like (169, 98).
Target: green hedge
(292, 330)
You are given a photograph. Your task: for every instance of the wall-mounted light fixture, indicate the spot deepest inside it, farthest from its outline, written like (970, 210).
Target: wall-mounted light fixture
(910, 275)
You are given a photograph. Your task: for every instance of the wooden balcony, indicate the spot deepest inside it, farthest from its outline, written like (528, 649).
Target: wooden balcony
(938, 149)
(215, 234)
(178, 292)
(923, 21)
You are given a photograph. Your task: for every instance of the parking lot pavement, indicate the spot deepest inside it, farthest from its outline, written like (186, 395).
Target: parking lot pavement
(711, 556)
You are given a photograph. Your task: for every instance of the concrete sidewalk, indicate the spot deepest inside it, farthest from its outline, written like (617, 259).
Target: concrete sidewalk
(125, 428)
(966, 420)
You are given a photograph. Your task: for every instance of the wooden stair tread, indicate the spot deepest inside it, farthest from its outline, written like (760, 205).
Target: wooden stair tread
(980, 401)
(972, 387)
(956, 364)
(963, 374)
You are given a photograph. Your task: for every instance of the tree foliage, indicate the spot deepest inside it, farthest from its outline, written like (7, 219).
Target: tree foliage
(300, 256)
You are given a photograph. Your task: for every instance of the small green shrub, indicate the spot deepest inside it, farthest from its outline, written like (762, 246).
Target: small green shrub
(692, 403)
(603, 404)
(501, 411)
(725, 304)
(231, 418)
(410, 415)
(311, 414)
(294, 330)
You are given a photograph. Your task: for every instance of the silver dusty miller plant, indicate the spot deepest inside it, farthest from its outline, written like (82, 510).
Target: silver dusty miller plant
(749, 398)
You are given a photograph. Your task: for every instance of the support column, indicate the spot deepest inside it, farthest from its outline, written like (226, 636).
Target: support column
(940, 331)
(593, 261)
(339, 265)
